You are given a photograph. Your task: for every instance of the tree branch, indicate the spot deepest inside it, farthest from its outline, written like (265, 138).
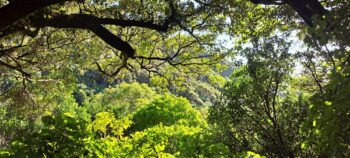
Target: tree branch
(26, 74)
(113, 40)
(86, 20)
(19, 9)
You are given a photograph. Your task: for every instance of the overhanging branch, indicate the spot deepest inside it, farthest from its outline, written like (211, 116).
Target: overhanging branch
(94, 24)
(113, 40)
(86, 20)
(19, 9)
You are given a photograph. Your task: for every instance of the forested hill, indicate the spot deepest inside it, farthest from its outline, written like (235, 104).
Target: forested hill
(175, 78)
(200, 91)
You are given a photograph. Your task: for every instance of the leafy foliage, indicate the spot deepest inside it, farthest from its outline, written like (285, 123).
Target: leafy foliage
(167, 126)
(121, 99)
(256, 111)
(67, 73)
(167, 110)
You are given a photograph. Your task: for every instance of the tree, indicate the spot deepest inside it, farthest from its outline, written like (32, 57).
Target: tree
(121, 99)
(326, 62)
(73, 130)
(122, 25)
(135, 16)
(258, 112)
(167, 111)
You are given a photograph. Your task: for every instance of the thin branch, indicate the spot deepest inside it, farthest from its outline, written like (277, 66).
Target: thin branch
(26, 74)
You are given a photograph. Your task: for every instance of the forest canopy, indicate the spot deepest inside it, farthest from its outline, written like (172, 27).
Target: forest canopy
(174, 78)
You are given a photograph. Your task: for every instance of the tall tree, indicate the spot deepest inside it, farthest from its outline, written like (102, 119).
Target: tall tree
(258, 111)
